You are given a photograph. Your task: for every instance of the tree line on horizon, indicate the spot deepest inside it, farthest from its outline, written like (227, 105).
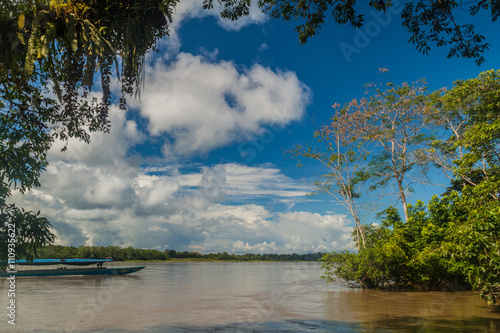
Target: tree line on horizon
(129, 253)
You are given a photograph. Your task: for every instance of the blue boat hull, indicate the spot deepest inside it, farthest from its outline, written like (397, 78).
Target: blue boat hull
(74, 271)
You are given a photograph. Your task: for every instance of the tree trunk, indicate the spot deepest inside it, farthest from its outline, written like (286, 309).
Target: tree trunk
(402, 196)
(360, 233)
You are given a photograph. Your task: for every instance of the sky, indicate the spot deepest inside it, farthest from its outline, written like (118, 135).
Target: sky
(199, 163)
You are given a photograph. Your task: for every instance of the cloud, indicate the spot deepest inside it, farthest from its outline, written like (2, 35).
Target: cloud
(116, 200)
(87, 187)
(107, 193)
(312, 232)
(71, 234)
(104, 148)
(203, 105)
(216, 227)
(263, 47)
(300, 232)
(240, 247)
(166, 211)
(193, 9)
(210, 209)
(244, 181)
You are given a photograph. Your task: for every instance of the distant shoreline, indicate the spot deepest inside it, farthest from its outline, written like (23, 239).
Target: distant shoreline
(134, 255)
(210, 260)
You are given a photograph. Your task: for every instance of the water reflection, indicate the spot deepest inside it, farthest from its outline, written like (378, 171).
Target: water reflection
(445, 311)
(235, 297)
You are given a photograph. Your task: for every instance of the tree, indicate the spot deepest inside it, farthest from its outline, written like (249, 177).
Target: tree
(394, 122)
(475, 240)
(428, 22)
(343, 157)
(21, 232)
(402, 254)
(24, 141)
(372, 142)
(472, 240)
(54, 48)
(456, 235)
(468, 114)
(479, 144)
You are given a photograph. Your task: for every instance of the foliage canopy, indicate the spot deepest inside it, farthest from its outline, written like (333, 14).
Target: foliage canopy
(429, 23)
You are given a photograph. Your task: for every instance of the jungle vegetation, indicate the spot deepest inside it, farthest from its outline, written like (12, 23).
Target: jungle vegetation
(391, 140)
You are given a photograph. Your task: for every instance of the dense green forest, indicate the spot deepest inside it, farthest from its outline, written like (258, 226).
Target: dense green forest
(129, 253)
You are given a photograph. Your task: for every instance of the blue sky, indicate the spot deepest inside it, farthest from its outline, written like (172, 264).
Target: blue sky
(199, 165)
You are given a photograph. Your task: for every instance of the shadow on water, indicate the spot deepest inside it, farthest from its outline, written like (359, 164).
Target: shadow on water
(401, 324)
(416, 324)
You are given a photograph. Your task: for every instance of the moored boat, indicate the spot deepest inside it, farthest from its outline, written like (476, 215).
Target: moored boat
(65, 267)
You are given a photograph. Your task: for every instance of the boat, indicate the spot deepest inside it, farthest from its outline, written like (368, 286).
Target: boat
(64, 267)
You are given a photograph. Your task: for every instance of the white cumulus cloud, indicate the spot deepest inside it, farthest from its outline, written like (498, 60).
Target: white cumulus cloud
(264, 247)
(115, 200)
(204, 105)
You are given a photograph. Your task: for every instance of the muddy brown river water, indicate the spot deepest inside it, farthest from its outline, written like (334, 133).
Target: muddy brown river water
(235, 297)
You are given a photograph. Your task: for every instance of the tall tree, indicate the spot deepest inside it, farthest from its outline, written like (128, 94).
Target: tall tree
(343, 157)
(395, 122)
(374, 142)
(469, 152)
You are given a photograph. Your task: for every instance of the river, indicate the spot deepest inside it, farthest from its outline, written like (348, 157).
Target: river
(234, 297)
